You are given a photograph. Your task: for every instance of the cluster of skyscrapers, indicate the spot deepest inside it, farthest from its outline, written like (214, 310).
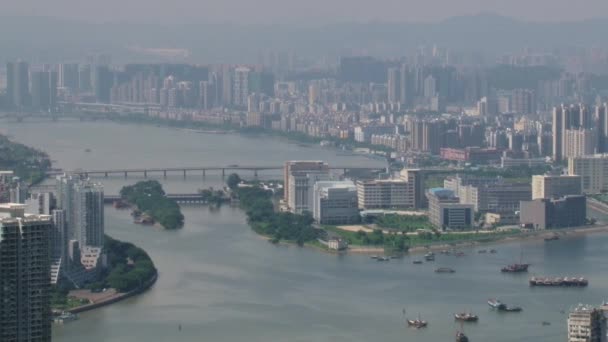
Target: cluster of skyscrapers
(51, 237)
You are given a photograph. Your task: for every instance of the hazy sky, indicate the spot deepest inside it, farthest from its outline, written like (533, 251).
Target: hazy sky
(302, 11)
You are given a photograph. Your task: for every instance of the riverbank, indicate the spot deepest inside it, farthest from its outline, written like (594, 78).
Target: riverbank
(113, 298)
(528, 236)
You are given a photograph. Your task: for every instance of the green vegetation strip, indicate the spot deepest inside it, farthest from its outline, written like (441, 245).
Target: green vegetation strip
(129, 268)
(149, 197)
(27, 163)
(264, 220)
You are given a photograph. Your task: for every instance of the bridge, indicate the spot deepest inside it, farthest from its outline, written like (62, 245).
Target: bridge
(179, 198)
(185, 170)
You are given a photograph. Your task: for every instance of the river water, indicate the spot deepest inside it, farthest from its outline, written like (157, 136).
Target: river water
(221, 282)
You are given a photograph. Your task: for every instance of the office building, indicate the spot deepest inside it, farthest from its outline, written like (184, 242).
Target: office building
(446, 211)
(335, 202)
(25, 313)
(488, 194)
(387, 194)
(545, 213)
(44, 90)
(299, 179)
(586, 324)
(300, 166)
(551, 186)
(601, 114)
(593, 170)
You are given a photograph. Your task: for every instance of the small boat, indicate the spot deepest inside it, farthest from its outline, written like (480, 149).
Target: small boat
(552, 238)
(444, 270)
(466, 317)
(383, 259)
(482, 251)
(511, 309)
(233, 165)
(417, 262)
(65, 317)
(373, 257)
(461, 337)
(87, 150)
(460, 254)
(429, 256)
(515, 268)
(445, 251)
(545, 323)
(493, 251)
(495, 303)
(417, 323)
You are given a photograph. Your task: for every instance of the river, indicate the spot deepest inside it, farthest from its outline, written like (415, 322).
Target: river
(221, 282)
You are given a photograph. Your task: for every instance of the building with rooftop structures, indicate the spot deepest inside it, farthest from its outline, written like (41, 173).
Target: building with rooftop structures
(446, 211)
(25, 313)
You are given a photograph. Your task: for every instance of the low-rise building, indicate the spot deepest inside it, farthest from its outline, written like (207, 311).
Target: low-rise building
(543, 213)
(489, 194)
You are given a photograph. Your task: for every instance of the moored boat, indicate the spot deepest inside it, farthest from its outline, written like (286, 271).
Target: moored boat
(566, 281)
(417, 323)
(515, 268)
(444, 270)
(429, 256)
(417, 262)
(461, 337)
(466, 317)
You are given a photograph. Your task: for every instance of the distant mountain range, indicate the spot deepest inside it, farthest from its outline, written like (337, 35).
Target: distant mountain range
(43, 39)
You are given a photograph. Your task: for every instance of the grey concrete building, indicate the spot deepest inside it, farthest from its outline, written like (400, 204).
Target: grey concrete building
(567, 211)
(25, 313)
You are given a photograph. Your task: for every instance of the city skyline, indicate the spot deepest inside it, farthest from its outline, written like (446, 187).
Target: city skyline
(284, 12)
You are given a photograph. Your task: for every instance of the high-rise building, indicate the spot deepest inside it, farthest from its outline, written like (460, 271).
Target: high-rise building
(206, 96)
(601, 114)
(44, 90)
(241, 86)
(551, 186)
(586, 324)
(84, 78)
(88, 214)
(25, 313)
(17, 84)
(580, 142)
(394, 85)
(523, 101)
(573, 118)
(102, 83)
(68, 76)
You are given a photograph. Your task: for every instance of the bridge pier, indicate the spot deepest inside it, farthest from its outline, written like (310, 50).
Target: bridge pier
(203, 173)
(86, 175)
(223, 173)
(126, 173)
(145, 174)
(255, 173)
(164, 173)
(184, 174)
(105, 174)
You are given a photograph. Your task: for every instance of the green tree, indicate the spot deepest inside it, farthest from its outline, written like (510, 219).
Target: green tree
(233, 181)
